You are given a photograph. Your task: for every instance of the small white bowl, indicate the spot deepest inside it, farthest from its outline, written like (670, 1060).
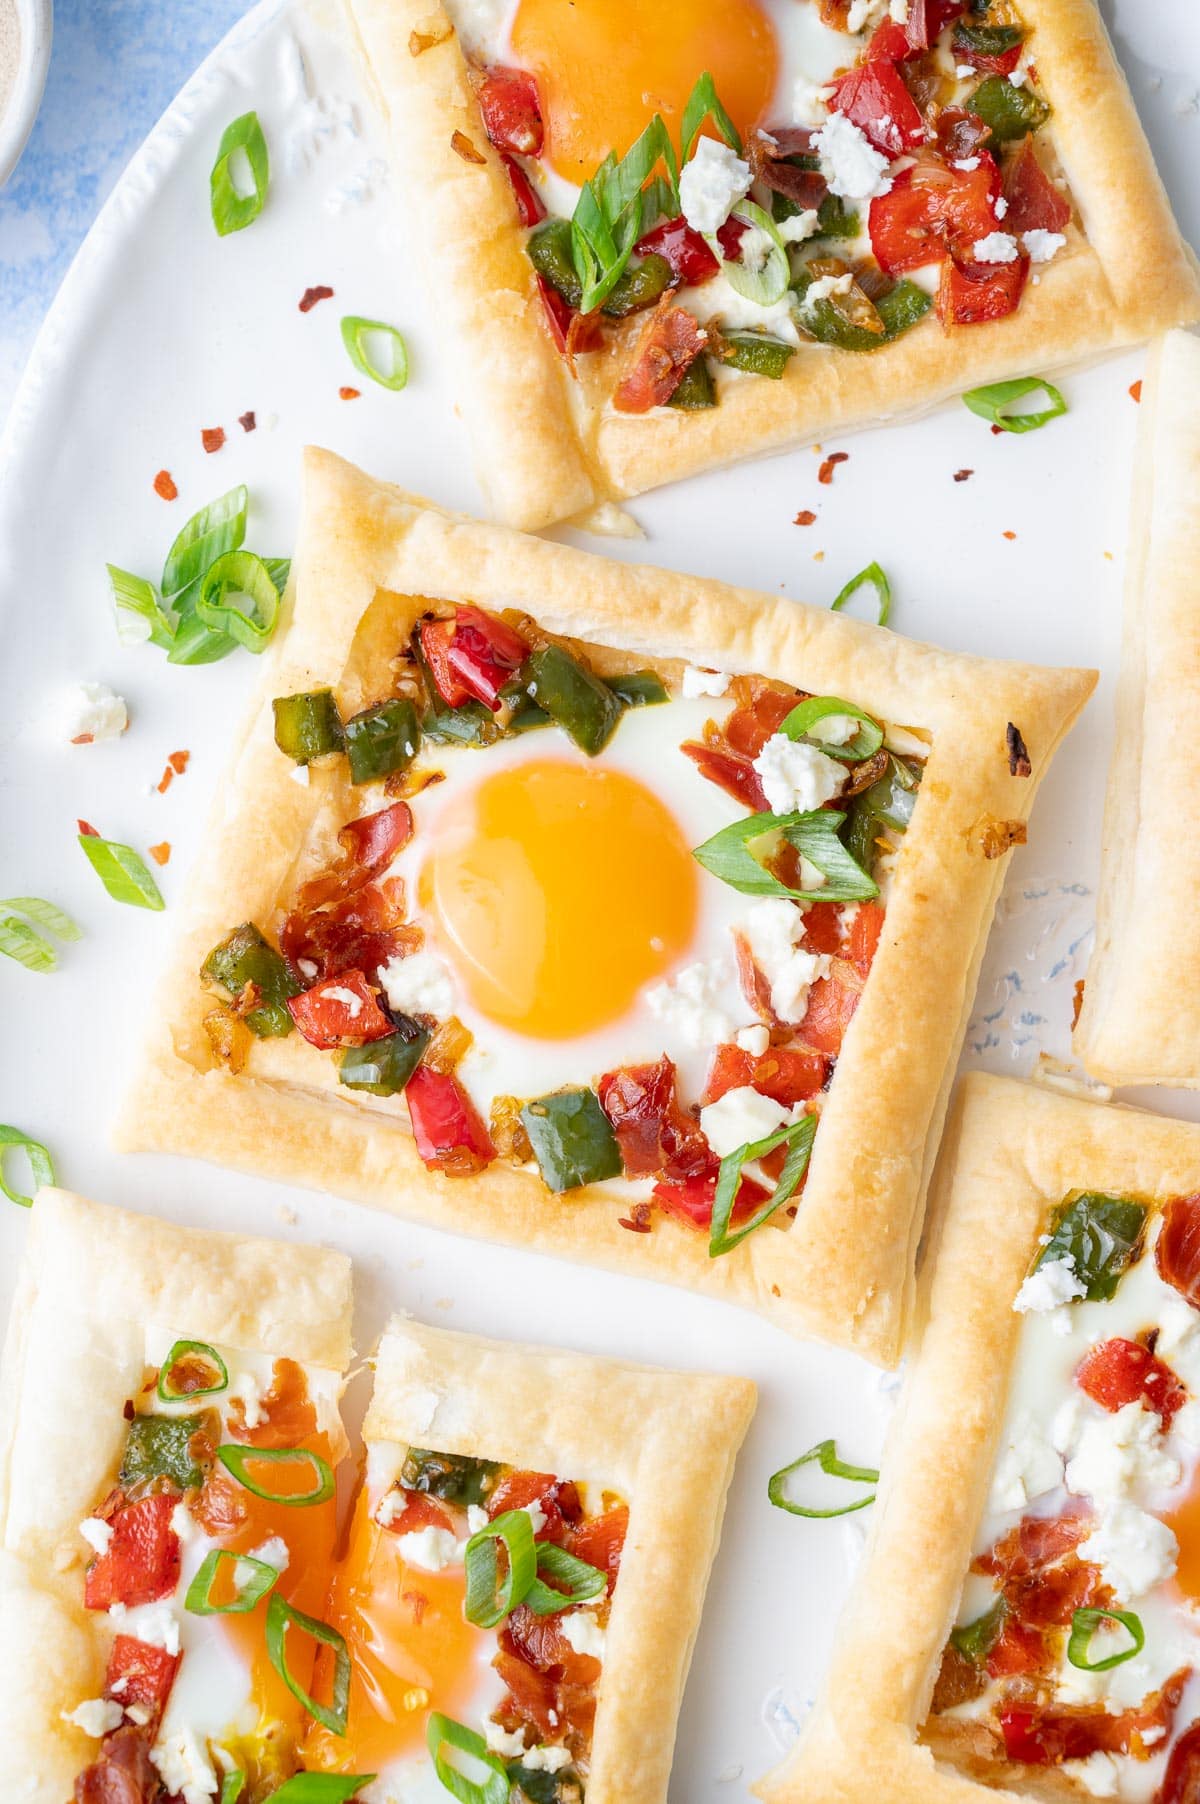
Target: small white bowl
(36, 18)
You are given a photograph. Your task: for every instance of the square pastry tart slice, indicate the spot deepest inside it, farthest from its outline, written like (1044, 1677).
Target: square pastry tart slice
(526, 1566)
(1024, 1623)
(661, 239)
(1140, 1019)
(618, 914)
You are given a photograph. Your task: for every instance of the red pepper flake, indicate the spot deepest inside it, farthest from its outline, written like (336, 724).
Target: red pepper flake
(1135, 389)
(127, 1409)
(1010, 535)
(463, 147)
(247, 421)
(805, 517)
(213, 438)
(1077, 1004)
(311, 296)
(164, 485)
(349, 394)
(161, 853)
(87, 829)
(825, 473)
(963, 475)
(177, 763)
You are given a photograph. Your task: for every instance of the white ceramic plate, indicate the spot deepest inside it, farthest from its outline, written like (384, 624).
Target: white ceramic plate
(160, 330)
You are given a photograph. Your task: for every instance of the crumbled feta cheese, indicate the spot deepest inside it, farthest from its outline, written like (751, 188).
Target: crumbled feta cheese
(864, 14)
(690, 1003)
(964, 71)
(183, 1523)
(584, 1634)
(184, 1767)
(507, 1742)
(91, 712)
(537, 1516)
(1186, 1423)
(308, 967)
(1134, 1551)
(476, 1518)
(95, 1716)
(140, 1714)
(966, 164)
(711, 183)
(299, 773)
(349, 1001)
(272, 1552)
(898, 12)
(418, 985)
(1019, 78)
(800, 226)
(809, 103)
(824, 286)
(547, 1760)
(997, 247)
(1048, 1286)
(393, 1503)
(246, 1389)
(849, 161)
(1118, 1452)
(1027, 1467)
(96, 1533)
(431, 1549)
(1097, 1774)
(155, 1623)
(1001, 207)
(755, 1041)
(703, 682)
(771, 929)
(1042, 245)
(739, 1118)
(796, 777)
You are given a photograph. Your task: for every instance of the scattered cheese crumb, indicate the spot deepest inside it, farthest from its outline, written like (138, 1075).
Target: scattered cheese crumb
(95, 1716)
(1048, 1286)
(184, 1767)
(96, 1533)
(997, 247)
(351, 1002)
(1134, 1551)
(507, 1742)
(711, 183)
(703, 682)
(849, 161)
(418, 985)
(797, 778)
(691, 1002)
(753, 1040)
(431, 1549)
(548, 1760)
(91, 712)
(1042, 245)
(739, 1118)
(585, 1634)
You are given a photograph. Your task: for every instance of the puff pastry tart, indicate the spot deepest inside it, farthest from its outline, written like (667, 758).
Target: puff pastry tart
(583, 931)
(1024, 1621)
(182, 1619)
(665, 239)
(1138, 1024)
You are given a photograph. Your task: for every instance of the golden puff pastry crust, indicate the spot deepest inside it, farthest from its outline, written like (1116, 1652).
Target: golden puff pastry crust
(548, 447)
(1011, 1153)
(665, 1441)
(368, 560)
(93, 1282)
(1140, 1020)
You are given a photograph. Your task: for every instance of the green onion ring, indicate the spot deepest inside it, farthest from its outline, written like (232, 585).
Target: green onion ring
(487, 1603)
(46, 914)
(1084, 1624)
(990, 403)
(122, 871)
(235, 1458)
(876, 577)
(249, 1590)
(443, 1732)
(20, 941)
(318, 1788)
(825, 1454)
(769, 284)
(232, 1787)
(798, 1139)
(583, 1582)
(179, 1351)
(231, 211)
(239, 573)
(803, 718)
(40, 1164)
(280, 1617)
(355, 333)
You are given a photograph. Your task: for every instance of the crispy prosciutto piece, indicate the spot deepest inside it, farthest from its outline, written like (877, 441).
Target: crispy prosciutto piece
(533, 1696)
(1038, 1573)
(670, 342)
(529, 202)
(770, 154)
(1045, 1737)
(123, 1774)
(450, 1136)
(1034, 203)
(1117, 1372)
(655, 1134)
(1017, 1649)
(287, 1414)
(932, 209)
(783, 1073)
(142, 1560)
(540, 1641)
(960, 134)
(362, 931)
(862, 941)
(970, 294)
(512, 112)
(730, 771)
(928, 18)
(889, 44)
(472, 655)
(368, 845)
(340, 1011)
(762, 707)
(139, 1673)
(1177, 1249)
(873, 97)
(690, 259)
(1181, 1781)
(600, 1540)
(831, 1005)
(557, 1499)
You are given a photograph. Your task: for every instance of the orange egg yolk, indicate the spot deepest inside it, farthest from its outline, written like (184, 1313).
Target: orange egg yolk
(557, 891)
(411, 1647)
(1185, 1522)
(605, 67)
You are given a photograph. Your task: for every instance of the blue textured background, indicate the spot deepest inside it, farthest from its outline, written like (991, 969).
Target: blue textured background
(115, 66)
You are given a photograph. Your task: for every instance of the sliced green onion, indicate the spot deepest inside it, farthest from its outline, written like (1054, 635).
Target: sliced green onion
(576, 1581)
(1084, 1624)
(122, 871)
(799, 724)
(40, 1164)
(873, 577)
(191, 1349)
(24, 943)
(610, 213)
(825, 1456)
(993, 403)
(195, 643)
(731, 856)
(318, 1788)
(703, 104)
(231, 210)
(46, 914)
(232, 1787)
(200, 541)
(280, 1617)
(975, 1640)
(252, 1580)
(140, 616)
(768, 283)
(444, 1733)
(798, 1139)
(233, 574)
(489, 1599)
(392, 372)
(237, 1459)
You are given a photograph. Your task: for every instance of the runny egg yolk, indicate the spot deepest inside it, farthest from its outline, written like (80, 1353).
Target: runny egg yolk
(557, 891)
(1185, 1522)
(605, 67)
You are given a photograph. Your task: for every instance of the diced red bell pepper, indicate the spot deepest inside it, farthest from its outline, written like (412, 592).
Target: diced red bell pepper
(419, 1512)
(529, 202)
(1117, 1372)
(533, 1696)
(862, 941)
(340, 1011)
(889, 44)
(971, 294)
(512, 112)
(932, 208)
(141, 1563)
(600, 1541)
(1017, 1649)
(450, 1136)
(1177, 1249)
(823, 927)
(472, 655)
(873, 97)
(927, 19)
(1001, 64)
(685, 250)
(1021, 1738)
(691, 1199)
(557, 1499)
(783, 1073)
(1181, 1781)
(753, 721)
(361, 932)
(670, 342)
(653, 1132)
(140, 1673)
(559, 314)
(1034, 203)
(831, 1005)
(729, 237)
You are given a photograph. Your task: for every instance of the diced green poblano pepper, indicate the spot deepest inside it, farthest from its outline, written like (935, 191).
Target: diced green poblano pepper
(584, 707)
(384, 1066)
(532, 1785)
(638, 688)
(160, 1447)
(1007, 111)
(975, 1640)
(695, 389)
(901, 307)
(454, 1477)
(382, 740)
(549, 250)
(307, 726)
(986, 40)
(888, 803)
(835, 219)
(755, 352)
(572, 1139)
(639, 286)
(1100, 1237)
(246, 957)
